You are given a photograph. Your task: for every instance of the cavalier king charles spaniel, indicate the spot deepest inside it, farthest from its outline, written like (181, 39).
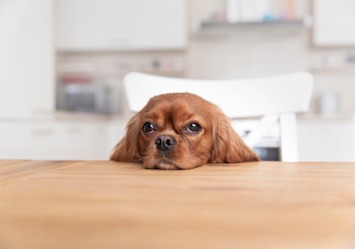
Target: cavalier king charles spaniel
(181, 131)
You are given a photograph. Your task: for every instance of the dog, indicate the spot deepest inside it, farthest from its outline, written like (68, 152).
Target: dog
(181, 131)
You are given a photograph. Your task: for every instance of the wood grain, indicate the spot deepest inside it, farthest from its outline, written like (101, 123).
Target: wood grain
(6, 162)
(14, 171)
(120, 205)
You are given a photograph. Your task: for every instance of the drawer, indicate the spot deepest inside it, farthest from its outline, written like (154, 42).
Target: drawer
(57, 141)
(326, 141)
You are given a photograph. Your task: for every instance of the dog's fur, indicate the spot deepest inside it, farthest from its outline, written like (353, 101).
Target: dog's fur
(171, 114)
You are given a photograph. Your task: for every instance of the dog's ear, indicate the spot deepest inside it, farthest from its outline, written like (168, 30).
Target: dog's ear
(127, 150)
(227, 146)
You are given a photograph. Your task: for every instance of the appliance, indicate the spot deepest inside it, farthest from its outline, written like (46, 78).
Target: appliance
(88, 97)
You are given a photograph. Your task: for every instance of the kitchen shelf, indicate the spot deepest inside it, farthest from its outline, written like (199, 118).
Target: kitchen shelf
(266, 24)
(252, 30)
(172, 73)
(333, 70)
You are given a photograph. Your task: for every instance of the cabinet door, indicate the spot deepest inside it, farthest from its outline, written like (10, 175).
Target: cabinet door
(120, 24)
(326, 140)
(54, 141)
(26, 58)
(334, 23)
(81, 141)
(116, 131)
(15, 141)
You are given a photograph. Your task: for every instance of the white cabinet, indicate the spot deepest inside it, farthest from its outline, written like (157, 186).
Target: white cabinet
(334, 22)
(56, 141)
(326, 140)
(116, 131)
(26, 58)
(120, 24)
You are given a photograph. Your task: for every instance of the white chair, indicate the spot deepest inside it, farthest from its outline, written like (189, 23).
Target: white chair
(273, 98)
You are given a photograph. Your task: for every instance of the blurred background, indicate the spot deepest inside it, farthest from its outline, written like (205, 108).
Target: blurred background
(62, 63)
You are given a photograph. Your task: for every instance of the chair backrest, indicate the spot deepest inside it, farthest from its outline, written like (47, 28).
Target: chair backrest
(275, 98)
(289, 93)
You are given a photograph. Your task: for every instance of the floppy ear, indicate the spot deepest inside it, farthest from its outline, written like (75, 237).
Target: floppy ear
(228, 147)
(127, 150)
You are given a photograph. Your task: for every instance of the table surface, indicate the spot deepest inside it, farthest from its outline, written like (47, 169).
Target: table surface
(94, 204)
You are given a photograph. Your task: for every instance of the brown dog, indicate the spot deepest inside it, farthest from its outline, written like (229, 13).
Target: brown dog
(181, 131)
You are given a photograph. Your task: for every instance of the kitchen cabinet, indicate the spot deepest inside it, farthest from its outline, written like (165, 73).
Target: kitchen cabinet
(334, 23)
(326, 140)
(323, 140)
(120, 24)
(59, 140)
(116, 131)
(27, 58)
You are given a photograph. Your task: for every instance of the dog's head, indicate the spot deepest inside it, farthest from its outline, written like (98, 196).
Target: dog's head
(181, 131)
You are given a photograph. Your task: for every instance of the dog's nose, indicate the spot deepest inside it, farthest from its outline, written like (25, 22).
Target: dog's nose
(165, 142)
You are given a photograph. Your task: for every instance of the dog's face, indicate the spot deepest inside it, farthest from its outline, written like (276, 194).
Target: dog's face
(181, 131)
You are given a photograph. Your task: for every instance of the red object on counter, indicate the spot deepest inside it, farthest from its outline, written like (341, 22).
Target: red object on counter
(76, 79)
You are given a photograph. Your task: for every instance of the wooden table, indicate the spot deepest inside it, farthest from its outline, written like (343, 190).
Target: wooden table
(61, 205)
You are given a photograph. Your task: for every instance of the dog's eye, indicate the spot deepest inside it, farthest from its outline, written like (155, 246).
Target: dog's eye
(148, 128)
(193, 127)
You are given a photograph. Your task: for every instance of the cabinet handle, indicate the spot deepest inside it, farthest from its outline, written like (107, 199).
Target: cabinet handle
(42, 132)
(120, 42)
(75, 130)
(42, 111)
